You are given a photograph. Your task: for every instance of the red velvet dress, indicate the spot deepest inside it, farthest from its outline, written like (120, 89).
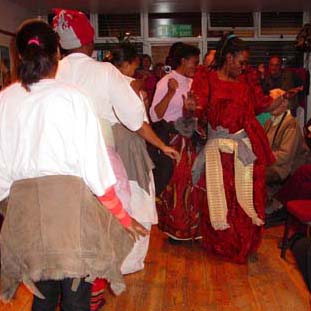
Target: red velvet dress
(260, 101)
(229, 104)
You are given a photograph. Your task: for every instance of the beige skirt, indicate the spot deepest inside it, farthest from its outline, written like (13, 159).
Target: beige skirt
(55, 228)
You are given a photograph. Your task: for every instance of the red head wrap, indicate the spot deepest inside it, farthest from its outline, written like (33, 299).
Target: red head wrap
(73, 28)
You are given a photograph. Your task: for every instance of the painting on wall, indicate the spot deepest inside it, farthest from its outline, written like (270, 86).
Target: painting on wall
(5, 74)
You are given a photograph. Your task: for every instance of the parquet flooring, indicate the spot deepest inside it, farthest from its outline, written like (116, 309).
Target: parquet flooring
(184, 278)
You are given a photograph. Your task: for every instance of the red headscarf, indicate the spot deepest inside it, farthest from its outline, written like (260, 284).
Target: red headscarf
(73, 28)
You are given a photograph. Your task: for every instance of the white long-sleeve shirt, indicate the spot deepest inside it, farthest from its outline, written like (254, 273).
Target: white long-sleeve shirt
(51, 130)
(112, 97)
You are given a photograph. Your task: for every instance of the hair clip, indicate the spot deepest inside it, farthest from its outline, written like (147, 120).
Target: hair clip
(34, 40)
(231, 36)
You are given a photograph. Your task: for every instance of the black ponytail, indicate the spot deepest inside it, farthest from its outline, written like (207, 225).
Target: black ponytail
(37, 46)
(229, 43)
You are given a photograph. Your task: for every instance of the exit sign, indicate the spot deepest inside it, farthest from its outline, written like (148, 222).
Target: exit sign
(173, 31)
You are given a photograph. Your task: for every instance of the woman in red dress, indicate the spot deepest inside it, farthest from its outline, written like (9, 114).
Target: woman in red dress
(232, 208)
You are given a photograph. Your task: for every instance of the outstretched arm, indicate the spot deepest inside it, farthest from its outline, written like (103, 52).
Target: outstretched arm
(151, 137)
(114, 205)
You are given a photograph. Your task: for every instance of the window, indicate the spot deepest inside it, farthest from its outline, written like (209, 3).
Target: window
(241, 23)
(230, 20)
(261, 51)
(281, 23)
(112, 25)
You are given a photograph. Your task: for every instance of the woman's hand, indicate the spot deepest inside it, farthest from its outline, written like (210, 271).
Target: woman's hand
(136, 230)
(171, 152)
(190, 102)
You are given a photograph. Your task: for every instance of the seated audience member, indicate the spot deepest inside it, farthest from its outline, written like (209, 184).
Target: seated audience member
(251, 76)
(290, 150)
(298, 186)
(286, 142)
(282, 79)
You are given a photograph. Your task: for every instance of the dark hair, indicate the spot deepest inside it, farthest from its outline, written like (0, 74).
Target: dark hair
(229, 44)
(158, 65)
(124, 53)
(183, 51)
(37, 45)
(146, 56)
(171, 52)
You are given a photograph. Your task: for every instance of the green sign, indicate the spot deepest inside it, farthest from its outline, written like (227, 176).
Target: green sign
(173, 31)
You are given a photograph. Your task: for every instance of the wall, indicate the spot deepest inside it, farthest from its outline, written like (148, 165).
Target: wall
(11, 16)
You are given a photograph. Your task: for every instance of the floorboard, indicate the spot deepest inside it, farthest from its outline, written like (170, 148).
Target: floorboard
(185, 278)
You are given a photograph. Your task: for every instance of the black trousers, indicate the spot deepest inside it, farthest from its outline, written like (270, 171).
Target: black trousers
(53, 291)
(164, 165)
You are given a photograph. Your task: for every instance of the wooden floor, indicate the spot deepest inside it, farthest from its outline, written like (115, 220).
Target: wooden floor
(184, 278)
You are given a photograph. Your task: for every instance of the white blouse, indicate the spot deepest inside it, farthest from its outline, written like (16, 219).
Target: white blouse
(112, 97)
(50, 130)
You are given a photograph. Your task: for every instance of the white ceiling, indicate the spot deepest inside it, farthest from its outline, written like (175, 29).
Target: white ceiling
(40, 7)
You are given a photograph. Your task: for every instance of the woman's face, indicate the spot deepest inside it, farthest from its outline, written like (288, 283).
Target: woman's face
(235, 63)
(189, 65)
(146, 63)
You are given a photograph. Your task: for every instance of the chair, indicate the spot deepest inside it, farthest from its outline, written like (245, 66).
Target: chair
(299, 210)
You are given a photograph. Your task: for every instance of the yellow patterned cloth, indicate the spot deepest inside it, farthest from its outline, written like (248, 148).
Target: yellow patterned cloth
(243, 179)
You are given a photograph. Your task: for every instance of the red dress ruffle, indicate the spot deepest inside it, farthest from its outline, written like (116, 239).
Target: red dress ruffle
(178, 217)
(260, 101)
